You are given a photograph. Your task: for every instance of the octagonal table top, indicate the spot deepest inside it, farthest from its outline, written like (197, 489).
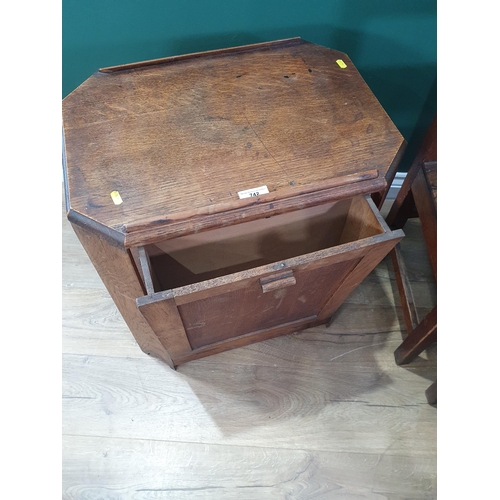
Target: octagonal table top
(166, 147)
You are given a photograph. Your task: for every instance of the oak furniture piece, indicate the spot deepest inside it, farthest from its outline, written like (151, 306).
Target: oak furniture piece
(231, 196)
(417, 198)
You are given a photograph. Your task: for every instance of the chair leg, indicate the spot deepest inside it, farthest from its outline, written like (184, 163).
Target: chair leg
(404, 288)
(418, 340)
(431, 394)
(403, 207)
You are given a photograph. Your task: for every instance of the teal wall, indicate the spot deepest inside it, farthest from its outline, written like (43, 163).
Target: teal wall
(391, 42)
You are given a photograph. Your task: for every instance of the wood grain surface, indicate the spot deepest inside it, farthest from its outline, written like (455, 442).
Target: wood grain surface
(179, 138)
(325, 413)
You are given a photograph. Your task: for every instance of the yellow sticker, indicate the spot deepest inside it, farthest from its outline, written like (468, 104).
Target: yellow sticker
(341, 63)
(115, 196)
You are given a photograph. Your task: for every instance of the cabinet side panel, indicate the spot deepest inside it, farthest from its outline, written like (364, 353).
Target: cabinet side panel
(165, 321)
(116, 270)
(365, 266)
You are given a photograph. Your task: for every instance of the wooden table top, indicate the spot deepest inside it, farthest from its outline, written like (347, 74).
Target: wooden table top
(179, 137)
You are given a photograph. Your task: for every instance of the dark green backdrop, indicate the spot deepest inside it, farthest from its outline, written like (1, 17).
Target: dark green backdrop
(391, 42)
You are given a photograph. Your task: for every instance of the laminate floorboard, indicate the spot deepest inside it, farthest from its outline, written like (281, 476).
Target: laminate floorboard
(324, 413)
(144, 469)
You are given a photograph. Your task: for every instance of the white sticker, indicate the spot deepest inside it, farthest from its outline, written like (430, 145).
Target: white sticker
(249, 193)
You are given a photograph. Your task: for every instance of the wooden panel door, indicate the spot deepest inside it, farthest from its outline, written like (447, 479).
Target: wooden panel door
(263, 302)
(253, 306)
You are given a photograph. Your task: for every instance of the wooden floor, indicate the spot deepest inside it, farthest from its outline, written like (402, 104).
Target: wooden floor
(325, 413)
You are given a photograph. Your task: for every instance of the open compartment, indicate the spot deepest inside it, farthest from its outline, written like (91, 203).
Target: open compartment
(199, 257)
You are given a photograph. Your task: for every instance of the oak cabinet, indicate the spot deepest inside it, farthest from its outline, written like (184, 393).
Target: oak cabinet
(230, 196)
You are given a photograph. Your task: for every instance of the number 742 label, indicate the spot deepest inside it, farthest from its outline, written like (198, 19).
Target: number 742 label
(249, 193)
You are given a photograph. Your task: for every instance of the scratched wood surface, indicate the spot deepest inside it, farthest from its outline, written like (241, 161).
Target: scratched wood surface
(325, 413)
(180, 138)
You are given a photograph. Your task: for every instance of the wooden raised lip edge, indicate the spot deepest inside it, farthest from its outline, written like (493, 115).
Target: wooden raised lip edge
(253, 211)
(217, 52)
(283, 193)
(158, 232)
(269, 268)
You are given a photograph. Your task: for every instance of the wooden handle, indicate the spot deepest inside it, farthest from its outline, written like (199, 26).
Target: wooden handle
(277, 281)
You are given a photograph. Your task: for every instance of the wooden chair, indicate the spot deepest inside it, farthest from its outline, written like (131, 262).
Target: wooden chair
(417, 198)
